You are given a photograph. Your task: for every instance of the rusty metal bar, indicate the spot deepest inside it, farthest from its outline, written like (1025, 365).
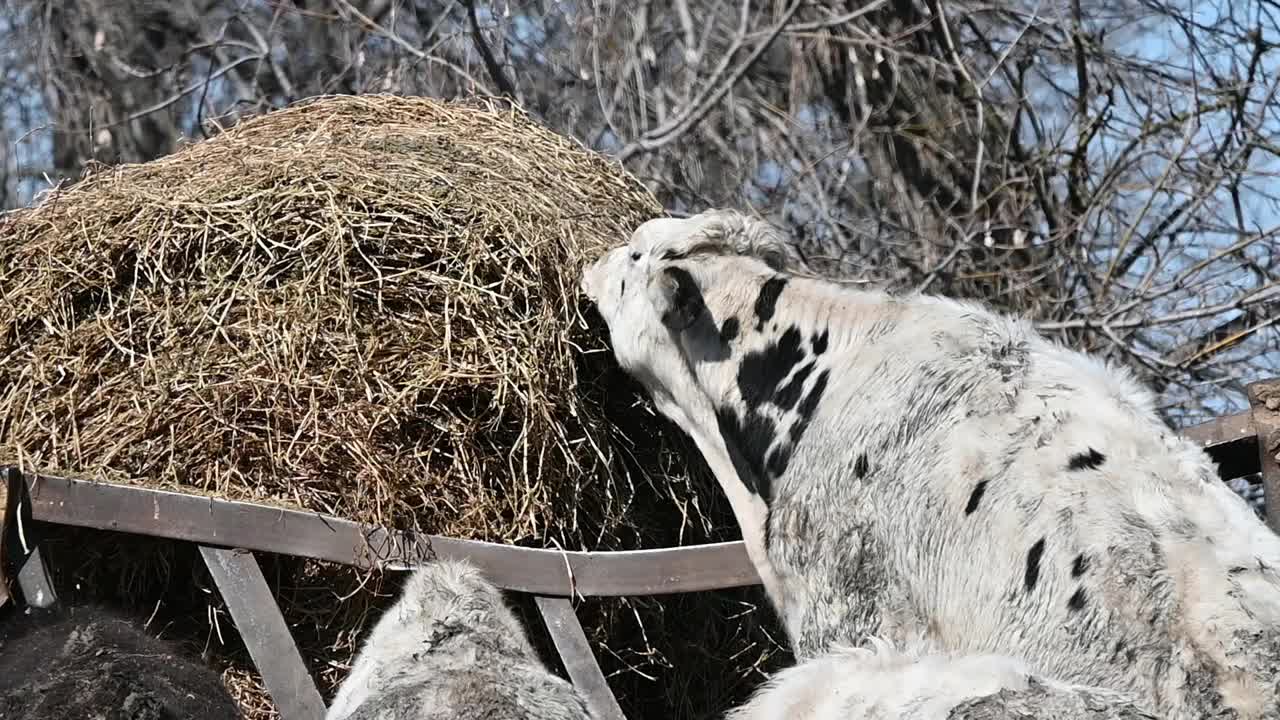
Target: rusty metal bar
(208, 521)
(265, 634)
(1264, 402)
(580, 662)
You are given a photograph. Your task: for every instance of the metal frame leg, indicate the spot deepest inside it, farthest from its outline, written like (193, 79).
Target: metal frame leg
(22, 547)
(34, 580)
(575, 651)
(262, 627)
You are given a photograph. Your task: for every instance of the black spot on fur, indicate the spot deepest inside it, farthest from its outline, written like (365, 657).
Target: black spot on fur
(1077, 600)
(1079, 566)
(624, 287)
(975, 497)
(687, 303)
(767, 300)
(778, 461)
(861, 466)
(1033, 564)
(747, 439)
(1086, 461)
(810, 403)
(789, 395)
(807, 407)
(820, 341)
(762, 371)
(729, 330)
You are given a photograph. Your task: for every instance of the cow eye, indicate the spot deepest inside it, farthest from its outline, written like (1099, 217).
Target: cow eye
(635, 256)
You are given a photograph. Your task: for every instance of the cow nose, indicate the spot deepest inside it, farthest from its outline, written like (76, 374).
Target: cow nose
(590, 278)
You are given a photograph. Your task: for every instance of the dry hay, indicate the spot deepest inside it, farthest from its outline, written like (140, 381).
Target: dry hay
(365, 306)
(360, 306)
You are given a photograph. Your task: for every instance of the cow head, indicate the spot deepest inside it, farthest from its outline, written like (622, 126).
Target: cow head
(673, 298)
(653, 294)
(441, 596)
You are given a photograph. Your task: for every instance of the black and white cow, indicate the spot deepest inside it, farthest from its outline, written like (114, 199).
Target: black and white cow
(86, 662)
(882, 683)
(925, 470)
(450, 649)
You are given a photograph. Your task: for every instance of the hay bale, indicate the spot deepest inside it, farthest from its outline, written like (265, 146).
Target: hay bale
(364, 306)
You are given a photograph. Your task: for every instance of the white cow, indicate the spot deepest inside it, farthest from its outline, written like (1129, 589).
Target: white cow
(879, 683)
(919, 468)
(450, 649)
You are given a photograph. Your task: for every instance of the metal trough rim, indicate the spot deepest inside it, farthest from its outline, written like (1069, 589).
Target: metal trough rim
(262, 528)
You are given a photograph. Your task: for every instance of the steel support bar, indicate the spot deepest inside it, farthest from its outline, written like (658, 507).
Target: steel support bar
(1264, 402)
(579, 660)
(262, 627)
(35, 582)
(205, 520)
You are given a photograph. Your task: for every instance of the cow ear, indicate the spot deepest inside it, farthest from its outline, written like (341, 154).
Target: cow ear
(677, 298)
